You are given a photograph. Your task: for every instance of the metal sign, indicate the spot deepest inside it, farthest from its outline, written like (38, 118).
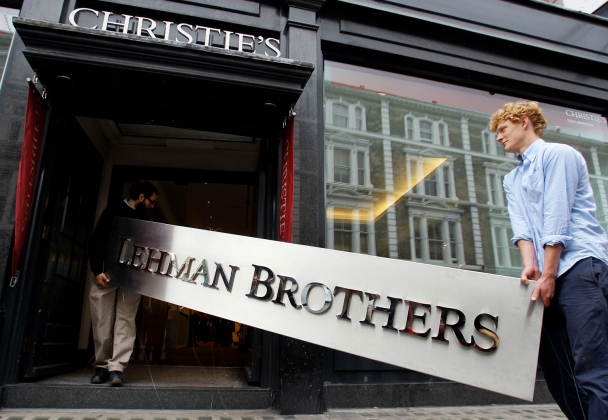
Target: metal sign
(475, 328)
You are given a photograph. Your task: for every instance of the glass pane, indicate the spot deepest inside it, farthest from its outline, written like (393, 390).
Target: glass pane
(341, 165)
(409, 128)
(453, 244)
(430, 183)
(493, 192)
(361, 168)
(435, 239)
(446, 181)
(499, 234)
(401, 113)
(514, 253)
(363, 240)
(417, 237)
(343, 230)
(340, 115)
(64, 257)
(426, 130)
(358, 118)
(487, 147)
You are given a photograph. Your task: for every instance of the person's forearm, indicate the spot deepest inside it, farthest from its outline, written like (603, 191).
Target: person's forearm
(552, 256)
(528, 254)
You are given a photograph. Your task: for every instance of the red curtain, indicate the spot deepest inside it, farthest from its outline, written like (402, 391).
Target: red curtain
(35, 118)
(286, 193)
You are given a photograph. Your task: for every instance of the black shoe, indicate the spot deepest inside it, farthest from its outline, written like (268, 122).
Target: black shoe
(100, 376)
(116, 378)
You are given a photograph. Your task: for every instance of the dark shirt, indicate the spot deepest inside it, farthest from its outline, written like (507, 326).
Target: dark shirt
(99, 239)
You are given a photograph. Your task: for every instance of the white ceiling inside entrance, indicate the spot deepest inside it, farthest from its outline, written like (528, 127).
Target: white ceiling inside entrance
(171, 148)
(223, 207)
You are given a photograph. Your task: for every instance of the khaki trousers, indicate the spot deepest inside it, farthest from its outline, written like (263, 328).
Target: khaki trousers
(113, 317)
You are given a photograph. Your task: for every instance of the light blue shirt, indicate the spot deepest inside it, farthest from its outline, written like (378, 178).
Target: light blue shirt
(551, 201)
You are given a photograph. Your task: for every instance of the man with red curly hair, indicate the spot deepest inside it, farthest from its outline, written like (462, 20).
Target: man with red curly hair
(563, 248)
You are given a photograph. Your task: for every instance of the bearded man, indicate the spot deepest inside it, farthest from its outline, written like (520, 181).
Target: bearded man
(113, 310)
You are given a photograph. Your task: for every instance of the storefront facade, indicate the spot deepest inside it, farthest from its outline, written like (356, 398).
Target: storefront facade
(393, 156)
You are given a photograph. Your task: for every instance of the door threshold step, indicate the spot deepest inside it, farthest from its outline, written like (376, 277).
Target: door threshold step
(87, 396)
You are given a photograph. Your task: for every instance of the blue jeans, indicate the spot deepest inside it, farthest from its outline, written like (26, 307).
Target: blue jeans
(575, 341)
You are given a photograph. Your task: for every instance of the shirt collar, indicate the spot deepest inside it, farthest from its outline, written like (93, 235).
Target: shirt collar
(532, 151)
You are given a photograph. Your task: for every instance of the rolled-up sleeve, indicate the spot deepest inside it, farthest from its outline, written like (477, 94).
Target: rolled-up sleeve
(518, 223)
(561, 172)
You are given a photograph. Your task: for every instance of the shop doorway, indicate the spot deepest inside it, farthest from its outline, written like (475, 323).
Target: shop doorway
(220, 201)
(87, 162)
(159, 105)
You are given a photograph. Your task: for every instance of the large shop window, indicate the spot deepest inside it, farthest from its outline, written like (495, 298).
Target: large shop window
(6, 34)
(413, 172)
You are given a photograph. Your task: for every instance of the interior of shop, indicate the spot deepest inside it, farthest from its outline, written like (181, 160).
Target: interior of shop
(198, 196)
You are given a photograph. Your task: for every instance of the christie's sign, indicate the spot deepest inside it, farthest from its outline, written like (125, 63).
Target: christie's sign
(475, 328)
(174, 31)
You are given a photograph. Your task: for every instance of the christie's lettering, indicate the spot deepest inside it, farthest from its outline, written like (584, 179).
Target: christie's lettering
(172, 31)
(264, 285)
(585, 116)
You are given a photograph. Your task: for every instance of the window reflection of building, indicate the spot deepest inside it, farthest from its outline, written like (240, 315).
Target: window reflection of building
(350, 229)
(344, 114)
(437, 180)
(436, 236)
(425, 129)
(350, 225)
(430, 177)
(505, 255)
(495, 174)
(348, 161)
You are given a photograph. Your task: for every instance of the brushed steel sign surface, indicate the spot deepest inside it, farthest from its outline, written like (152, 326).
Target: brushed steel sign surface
(475, 328)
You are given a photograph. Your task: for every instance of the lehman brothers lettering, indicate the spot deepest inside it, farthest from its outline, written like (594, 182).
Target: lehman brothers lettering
(172, 31)
(441, 321)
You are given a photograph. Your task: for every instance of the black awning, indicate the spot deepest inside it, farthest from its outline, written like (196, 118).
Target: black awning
(139, 80)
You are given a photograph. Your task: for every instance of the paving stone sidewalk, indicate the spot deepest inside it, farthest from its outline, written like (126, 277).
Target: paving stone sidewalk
(494, 412)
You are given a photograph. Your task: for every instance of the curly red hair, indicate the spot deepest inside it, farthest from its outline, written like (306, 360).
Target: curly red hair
(515, 111)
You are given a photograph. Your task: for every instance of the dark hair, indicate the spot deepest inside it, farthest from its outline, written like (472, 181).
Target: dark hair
(142, 187)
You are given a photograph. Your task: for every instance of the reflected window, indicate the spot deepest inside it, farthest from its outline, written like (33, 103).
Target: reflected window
(409, 128)
(342, 233)
(443, 134)
(506, 255)
(495, 174)
(426, 130)
(350, 230)
(348, 160)
(453, 243)
(341, 165)
(358, 118)
(360, 167)
(429, 178)
(345, 114)
(436, 239)
(363, 233)
(340, 115)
